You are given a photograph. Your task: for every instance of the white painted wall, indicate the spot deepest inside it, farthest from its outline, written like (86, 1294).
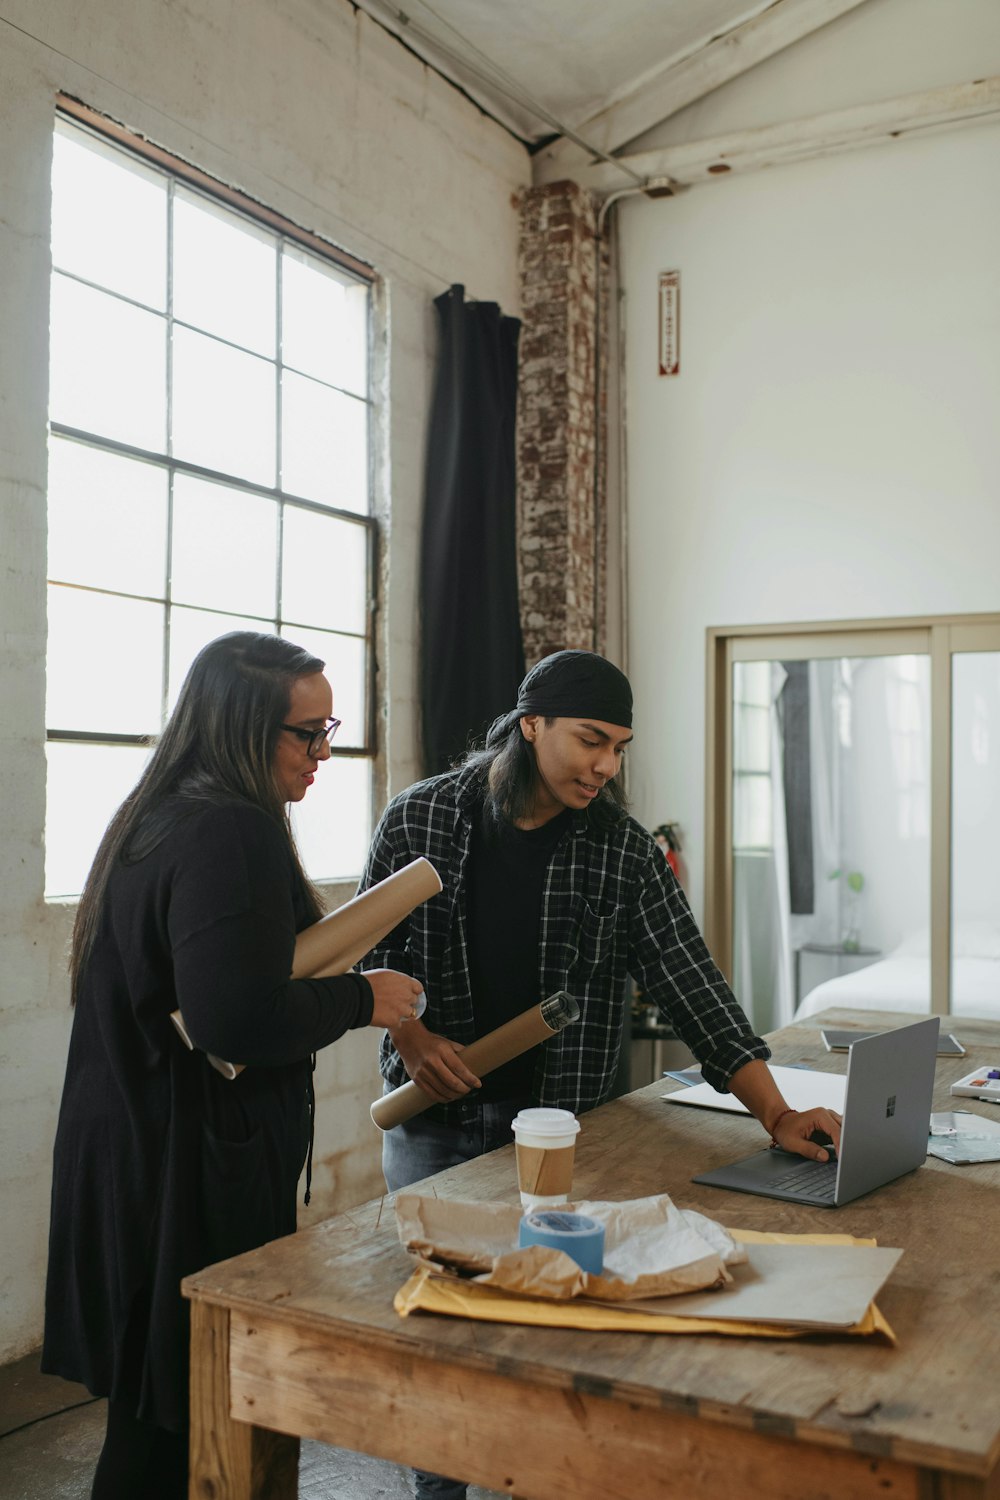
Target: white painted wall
(829, 449)
(311, 109)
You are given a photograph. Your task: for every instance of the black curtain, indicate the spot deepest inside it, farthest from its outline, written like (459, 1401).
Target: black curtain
(472, 656)
(794, 700)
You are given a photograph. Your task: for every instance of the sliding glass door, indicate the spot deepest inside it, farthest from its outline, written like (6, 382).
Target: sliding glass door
(853, 782)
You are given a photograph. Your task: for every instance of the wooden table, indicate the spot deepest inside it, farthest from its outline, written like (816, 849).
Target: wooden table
(300, 1339)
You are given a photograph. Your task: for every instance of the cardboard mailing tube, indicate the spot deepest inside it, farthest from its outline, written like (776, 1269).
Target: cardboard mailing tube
(336, 942)
(538, 1024)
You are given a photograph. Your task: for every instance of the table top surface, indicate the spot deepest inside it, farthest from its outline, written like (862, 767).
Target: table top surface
(932, 1399)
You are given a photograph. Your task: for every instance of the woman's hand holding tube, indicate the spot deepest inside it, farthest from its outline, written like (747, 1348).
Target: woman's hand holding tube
(433, 1062)
(396, 997)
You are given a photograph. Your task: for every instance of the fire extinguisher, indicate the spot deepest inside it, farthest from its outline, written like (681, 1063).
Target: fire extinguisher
(668, 836)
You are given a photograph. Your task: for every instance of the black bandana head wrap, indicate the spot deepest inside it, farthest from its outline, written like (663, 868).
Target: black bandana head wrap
(577, 685)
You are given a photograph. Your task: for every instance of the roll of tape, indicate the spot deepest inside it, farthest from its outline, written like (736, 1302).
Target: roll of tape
(580, 1237)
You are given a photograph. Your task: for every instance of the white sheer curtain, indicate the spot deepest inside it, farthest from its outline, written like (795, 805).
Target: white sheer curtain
(762, 958)
(868, 744)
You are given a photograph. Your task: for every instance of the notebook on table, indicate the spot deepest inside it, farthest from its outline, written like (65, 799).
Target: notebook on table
(887, 1110)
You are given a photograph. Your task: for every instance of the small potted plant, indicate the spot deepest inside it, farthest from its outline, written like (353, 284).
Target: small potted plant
(850, 915)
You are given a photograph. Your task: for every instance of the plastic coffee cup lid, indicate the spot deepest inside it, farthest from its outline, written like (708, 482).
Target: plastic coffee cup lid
(546, 1122)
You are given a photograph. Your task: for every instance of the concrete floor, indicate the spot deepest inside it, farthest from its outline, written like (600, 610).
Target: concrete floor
(51, 1433)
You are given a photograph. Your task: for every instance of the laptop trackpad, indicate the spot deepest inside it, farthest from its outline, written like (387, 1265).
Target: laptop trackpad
(777, 1174)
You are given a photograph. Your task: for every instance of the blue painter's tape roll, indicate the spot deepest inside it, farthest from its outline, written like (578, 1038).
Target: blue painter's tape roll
(580, 1237)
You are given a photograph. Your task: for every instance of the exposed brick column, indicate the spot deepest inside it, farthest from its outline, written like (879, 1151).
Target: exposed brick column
(561, 422)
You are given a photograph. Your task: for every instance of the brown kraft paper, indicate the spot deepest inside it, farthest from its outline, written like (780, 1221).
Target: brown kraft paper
(542, 1172)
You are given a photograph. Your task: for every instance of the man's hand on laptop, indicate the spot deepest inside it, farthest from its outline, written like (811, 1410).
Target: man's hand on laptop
(791, 1129)
(807, 1132)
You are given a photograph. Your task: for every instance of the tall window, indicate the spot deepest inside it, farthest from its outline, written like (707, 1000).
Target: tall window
(752, 790)
(208, 471)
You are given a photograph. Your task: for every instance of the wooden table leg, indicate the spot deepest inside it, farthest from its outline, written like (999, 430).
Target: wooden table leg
(230, 1460)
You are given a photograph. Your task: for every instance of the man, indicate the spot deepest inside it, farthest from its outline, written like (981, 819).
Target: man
(548, 885)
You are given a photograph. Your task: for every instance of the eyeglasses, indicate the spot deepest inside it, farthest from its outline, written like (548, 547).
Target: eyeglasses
(314, 739)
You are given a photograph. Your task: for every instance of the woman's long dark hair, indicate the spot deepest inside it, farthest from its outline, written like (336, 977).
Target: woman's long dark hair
(218, 744)
(506, 763)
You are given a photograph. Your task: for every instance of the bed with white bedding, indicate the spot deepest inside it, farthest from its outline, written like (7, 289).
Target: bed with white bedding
(901, 981)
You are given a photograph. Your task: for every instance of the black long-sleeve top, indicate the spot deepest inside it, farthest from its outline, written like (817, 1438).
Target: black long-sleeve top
(161, 1165)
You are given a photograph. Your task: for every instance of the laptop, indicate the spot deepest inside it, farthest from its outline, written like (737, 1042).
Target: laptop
(887, 1110)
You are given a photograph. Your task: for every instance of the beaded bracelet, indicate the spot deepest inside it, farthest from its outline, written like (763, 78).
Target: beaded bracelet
(777, 1121)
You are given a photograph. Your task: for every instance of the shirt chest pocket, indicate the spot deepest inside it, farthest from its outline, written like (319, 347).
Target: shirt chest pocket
(595, 940)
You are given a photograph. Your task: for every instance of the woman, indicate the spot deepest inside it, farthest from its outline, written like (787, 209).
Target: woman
(162, 1165)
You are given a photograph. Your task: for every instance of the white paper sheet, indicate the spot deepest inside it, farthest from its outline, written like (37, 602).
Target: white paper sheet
(807, 1286)
(802, 1088)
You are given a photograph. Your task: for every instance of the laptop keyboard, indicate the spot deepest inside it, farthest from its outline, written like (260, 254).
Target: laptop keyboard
(810, 1178)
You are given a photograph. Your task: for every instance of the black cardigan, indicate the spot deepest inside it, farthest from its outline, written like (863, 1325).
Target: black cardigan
(161, 1165)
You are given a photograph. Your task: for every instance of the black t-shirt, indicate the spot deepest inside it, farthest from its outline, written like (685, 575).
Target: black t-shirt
(505, 879)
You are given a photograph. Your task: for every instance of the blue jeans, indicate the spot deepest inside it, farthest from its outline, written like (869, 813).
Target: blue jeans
(419, 1148)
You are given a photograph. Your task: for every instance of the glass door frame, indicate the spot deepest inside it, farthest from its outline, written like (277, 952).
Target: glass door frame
(938, 637)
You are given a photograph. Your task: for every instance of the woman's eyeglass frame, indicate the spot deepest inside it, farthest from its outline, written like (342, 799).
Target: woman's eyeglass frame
(314, 739)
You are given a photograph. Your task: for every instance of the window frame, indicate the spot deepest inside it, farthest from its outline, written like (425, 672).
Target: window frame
(177, 171)
(938, 637)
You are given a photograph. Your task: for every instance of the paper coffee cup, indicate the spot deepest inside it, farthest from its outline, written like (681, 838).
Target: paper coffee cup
(545, 1140)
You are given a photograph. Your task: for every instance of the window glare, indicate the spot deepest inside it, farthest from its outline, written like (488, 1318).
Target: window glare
(752, 792)
(224, 408)
(324, 575)
(190, 629)
(85, 785)
(324, 322)
(332, 825)
(105, 663)
(752, 814)
(107, 519)
(324, 437)
(109, 218)
(224, 274)
(345, 660)
(169, 303)
(108, 368)
(212, 524)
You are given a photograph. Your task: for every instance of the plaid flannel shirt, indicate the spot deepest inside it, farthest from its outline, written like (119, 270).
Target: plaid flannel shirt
(611, 906)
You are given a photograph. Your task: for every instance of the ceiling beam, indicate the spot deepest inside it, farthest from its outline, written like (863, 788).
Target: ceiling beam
(447, 60)
(681, 83)
(797, 140)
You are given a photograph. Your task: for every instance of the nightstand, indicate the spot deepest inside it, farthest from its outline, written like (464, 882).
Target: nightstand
(841, 960)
